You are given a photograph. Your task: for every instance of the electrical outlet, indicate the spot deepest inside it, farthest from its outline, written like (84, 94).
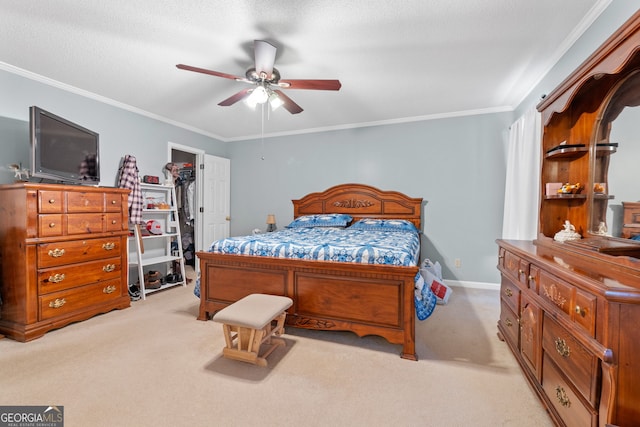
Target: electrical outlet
(458, 263)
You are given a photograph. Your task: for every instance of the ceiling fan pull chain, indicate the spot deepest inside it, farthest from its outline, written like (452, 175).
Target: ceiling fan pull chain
(262, 129)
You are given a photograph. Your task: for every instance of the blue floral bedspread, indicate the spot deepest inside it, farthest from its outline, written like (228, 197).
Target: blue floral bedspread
(401, 248)
(328, 244)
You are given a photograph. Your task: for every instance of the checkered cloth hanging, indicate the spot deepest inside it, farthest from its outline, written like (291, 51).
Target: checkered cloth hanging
(129, 179)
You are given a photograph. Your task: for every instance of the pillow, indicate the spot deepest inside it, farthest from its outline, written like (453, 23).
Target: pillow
(372, 224)
(321, 220)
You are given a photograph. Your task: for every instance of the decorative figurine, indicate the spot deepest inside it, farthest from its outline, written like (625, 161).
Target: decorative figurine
(570, 188)
(568, 233)
(19, 173)
(602, 229)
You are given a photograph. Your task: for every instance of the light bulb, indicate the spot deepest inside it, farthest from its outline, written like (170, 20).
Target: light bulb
(258, 96)
(275, 101)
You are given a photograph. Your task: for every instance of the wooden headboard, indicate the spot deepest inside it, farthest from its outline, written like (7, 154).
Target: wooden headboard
(361, 201)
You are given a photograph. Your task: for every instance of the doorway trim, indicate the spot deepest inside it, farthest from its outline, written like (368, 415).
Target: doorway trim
(197, 232)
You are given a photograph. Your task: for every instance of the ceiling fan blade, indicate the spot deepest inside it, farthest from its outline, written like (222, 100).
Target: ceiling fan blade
(311, 84)
(211, 72)
(265, 57)
(288, 103)
(237, 97)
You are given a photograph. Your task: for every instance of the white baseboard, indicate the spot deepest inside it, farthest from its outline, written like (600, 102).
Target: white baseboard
(476, 285)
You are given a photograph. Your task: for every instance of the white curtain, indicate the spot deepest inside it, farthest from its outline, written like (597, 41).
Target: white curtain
(521, 199)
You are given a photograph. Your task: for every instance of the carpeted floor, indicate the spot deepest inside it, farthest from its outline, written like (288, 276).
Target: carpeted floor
(154, 364)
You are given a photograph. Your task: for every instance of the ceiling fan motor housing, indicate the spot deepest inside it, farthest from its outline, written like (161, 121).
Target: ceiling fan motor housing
(257, 77)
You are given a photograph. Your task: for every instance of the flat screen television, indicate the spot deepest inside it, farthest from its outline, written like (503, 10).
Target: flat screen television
(63, 151)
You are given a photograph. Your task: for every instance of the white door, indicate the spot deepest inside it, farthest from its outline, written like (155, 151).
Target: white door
(216, 200)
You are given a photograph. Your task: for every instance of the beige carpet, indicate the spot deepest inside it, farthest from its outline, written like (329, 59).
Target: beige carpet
(154, 364)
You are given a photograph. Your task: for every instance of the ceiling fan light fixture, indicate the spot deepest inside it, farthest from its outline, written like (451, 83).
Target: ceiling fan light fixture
(275, 101)
(258, 96)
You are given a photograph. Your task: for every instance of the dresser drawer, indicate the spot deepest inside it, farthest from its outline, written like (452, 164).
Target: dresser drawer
(67, 302)
(50, 201)
(510, 294)
(516, 267)
(571, 357)
(579, 306)
(84, 223)
(510, 324)
(534, 278)
(573, 411)
(584, 311)
(75, 251)
(50, 225)
(68, 276)
(113, 203)
(78, 201)
(557, 291)
(113, 222)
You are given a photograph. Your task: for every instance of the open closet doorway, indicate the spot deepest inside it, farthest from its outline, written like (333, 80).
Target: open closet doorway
(187, 185)
(203, 193)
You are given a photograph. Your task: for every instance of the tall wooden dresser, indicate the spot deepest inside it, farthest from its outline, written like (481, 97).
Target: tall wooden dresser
(63, 255)
(570, 309)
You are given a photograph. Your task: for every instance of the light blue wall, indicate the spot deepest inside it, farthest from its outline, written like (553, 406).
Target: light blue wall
(14, 146)
(457, 165)
(121, 132)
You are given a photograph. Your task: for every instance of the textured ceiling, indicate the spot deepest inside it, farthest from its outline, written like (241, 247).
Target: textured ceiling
(397, 60)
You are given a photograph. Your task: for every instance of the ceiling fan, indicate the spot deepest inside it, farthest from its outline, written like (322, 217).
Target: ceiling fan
(266, 78)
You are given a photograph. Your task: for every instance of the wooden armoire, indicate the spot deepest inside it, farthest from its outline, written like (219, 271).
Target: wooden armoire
(570, 310)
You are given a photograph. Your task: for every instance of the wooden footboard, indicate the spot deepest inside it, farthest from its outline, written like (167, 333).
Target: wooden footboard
(364, 299)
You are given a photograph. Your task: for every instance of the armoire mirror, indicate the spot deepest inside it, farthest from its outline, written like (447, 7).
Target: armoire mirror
(619, 125)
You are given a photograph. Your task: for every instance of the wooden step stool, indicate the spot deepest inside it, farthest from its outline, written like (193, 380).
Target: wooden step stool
(250, 322)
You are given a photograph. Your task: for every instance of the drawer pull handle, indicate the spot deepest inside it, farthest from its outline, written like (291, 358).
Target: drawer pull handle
(581, 311)
(109, 268)
(508, 322)
(508, 292)
(562, 348)
(113, 221)
(56, 253)
(109, 289)
(52, 201)
(562, 397)
(57, 303)
(56, 278)
(52, 224)
(113, 202)
(108, 246)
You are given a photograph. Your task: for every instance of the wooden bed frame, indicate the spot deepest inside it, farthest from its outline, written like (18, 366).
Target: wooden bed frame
(363, 298)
